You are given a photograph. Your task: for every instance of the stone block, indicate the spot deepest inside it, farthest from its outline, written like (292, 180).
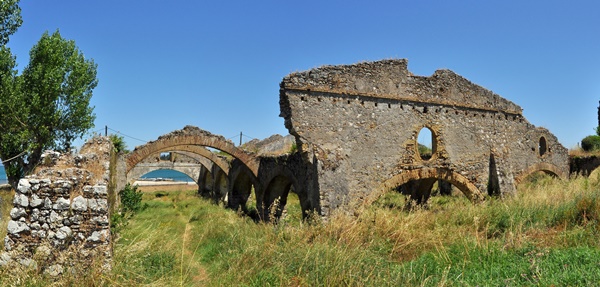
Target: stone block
(21, 200)
(17, 212)
(16, 227)
(100, 190)
(80, 203)
(62, 204)
(24, 186)
(36, 201)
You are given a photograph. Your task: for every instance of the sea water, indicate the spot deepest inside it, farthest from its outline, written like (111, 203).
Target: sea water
(167, 174)
(164, 174)
(3, 179)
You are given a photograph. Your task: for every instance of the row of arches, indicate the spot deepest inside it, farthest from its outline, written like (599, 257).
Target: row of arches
(225, 174)
(261, 188)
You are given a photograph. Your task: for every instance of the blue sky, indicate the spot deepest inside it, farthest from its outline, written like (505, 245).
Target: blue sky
(217, 64)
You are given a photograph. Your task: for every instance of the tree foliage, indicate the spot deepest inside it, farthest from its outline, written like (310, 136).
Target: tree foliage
(10, 19)
(119, 143)
(590, 143)
(47, 106)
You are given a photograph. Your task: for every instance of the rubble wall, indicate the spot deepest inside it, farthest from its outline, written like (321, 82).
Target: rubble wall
(61, 212)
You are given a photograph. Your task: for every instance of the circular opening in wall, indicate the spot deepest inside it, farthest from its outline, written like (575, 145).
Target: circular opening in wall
(542, 146)
(426, 143)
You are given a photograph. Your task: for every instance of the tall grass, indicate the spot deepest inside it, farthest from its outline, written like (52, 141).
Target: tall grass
(544, 235)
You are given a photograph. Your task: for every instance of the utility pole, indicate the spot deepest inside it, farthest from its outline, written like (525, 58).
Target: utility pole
(105, 131)
(240, 138)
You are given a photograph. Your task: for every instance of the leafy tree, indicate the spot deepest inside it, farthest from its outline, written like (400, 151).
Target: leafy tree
(119, 143)
(10, 19)
(590, 143)
(47, 106)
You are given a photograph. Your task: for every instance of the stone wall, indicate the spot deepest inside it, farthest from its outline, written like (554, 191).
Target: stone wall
(61, 212)
(361, 122)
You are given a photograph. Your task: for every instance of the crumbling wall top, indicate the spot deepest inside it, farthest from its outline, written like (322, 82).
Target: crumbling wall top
(390, 79)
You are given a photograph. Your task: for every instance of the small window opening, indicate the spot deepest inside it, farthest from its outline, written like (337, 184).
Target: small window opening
(542, 146)
(426, 143)
(165, 156)
(425, 109)
(389, 106)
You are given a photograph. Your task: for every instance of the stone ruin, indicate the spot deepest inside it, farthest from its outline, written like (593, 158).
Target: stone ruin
(61, 212)
(361, 122)
(355, 129)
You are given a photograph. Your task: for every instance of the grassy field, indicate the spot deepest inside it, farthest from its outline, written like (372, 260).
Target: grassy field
(546, 235)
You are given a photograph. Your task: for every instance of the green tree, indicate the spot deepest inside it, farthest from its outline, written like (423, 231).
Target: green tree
(47, 106)
(10, 19)
(119, 143)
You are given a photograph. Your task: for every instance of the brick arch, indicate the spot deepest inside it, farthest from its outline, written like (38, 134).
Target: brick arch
(202, 152)
(456, 179)
(203, 139)
(271, 191)
(203, 157)
(542, 166)
(240, 188)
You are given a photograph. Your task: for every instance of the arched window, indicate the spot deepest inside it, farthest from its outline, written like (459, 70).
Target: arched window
(426, 146)
(542, 146)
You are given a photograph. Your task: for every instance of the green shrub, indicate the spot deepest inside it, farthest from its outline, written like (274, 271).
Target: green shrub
(425, 152)
(131, 199)
(590, 143)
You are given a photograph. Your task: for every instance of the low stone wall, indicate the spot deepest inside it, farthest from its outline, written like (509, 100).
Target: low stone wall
(61, 212)
(583, 165)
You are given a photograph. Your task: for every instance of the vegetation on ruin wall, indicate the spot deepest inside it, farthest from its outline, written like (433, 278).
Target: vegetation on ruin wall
(546, 235)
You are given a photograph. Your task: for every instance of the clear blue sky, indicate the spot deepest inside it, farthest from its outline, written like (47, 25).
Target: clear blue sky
(217, 64)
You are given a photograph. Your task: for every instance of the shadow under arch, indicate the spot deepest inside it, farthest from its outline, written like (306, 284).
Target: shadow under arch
(456, 179)
(242, 182)
(271, 203)
(542, 166)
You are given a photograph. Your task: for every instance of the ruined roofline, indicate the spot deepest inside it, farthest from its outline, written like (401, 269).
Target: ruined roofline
(390, 79)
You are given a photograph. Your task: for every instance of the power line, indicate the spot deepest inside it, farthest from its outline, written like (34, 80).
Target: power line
(118, 132)
(252, 138)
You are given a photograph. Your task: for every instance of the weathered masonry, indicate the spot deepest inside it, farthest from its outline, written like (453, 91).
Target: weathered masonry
(230, 177)
(360, 123)
(61, 212)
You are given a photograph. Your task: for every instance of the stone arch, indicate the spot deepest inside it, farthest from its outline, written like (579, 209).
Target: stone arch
(189, 169)
(197, 150)
(241, 182)
(456, 179)
(201, 138)
(278, 187)
(542, 166)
